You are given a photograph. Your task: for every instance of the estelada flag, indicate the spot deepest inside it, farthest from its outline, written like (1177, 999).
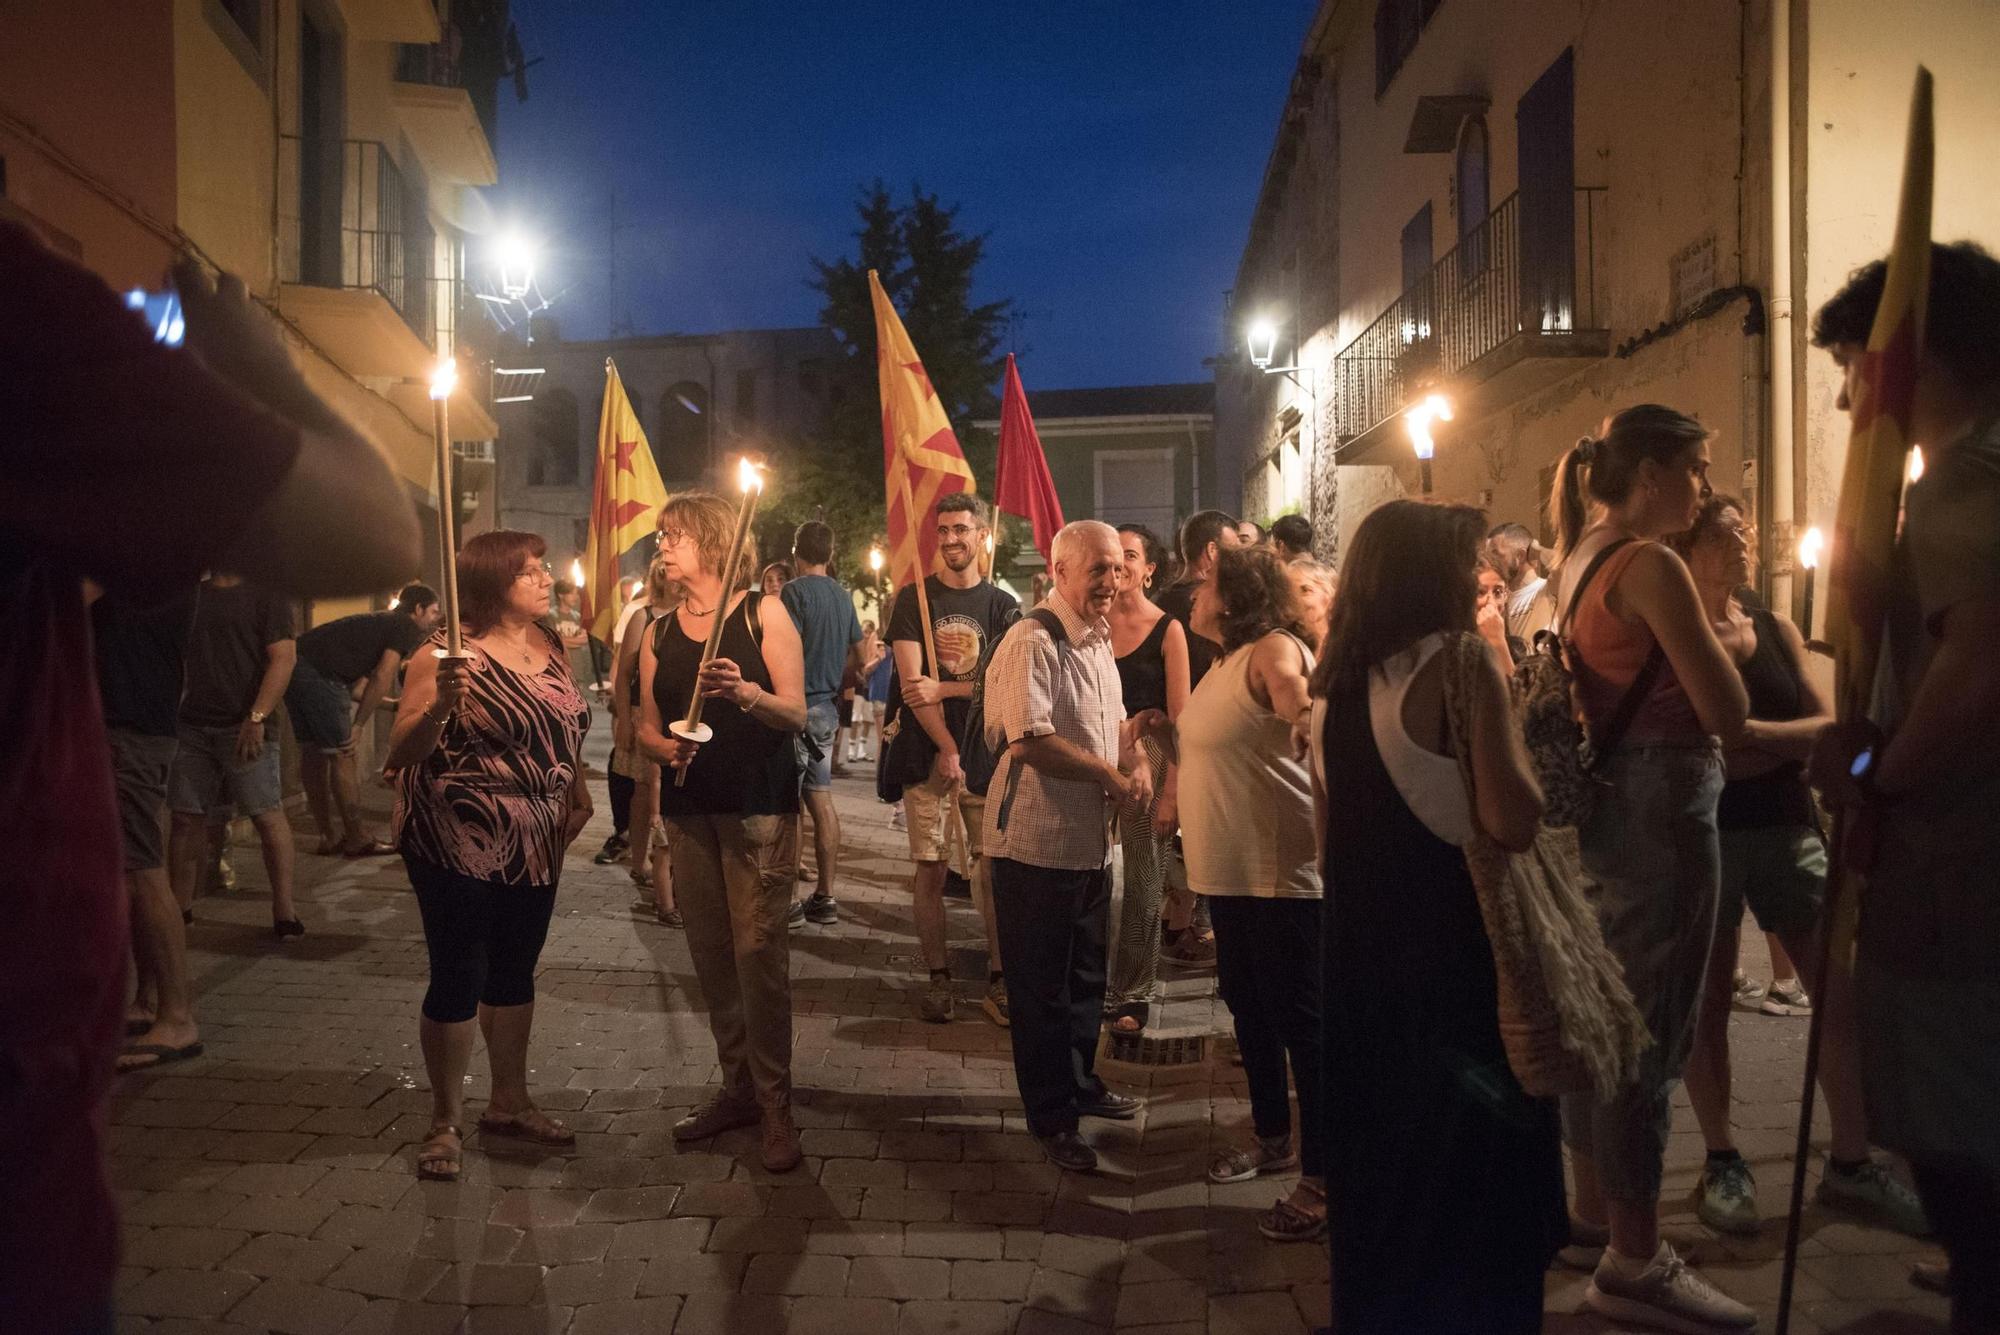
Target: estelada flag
(1871, 491)
(920, 455)
(1021, 482)
(624, 504)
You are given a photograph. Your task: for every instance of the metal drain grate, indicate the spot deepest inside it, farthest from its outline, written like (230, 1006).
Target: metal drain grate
(1183, 1047)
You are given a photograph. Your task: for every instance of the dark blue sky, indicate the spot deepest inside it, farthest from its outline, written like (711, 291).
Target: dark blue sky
(1112, 152)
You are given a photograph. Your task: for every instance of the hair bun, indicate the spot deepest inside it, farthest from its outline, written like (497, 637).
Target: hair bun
(1586, 449)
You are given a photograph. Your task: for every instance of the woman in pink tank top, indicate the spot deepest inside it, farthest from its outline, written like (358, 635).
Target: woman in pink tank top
(1632, 622)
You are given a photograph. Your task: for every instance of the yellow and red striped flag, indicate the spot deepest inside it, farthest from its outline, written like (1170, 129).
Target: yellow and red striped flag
(1871, 492)
(624, 504)
(920, 455)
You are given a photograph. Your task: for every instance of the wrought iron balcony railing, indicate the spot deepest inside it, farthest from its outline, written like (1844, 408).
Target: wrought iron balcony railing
(1504, 281)
(350, 219)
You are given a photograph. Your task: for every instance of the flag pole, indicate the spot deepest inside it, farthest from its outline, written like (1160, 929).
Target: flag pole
(1870, 492)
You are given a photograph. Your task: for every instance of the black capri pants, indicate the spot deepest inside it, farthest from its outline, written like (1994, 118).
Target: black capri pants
(484, 938)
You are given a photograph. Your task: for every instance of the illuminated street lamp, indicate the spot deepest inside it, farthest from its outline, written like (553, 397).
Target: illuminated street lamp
(517, 264)
(1417, 421)
(875, 563)
(1262, 344)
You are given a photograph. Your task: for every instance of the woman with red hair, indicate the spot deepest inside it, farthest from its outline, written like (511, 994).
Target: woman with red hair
(490, 794)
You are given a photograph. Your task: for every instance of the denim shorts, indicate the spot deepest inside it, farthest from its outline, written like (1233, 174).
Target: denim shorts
(822, 722)
(1650, 845)
(208, 778)
(322, 711)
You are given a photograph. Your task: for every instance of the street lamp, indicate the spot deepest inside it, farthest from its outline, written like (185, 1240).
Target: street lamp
(517, 264)
(1262, 344)
(1433, 408)
(875, 563)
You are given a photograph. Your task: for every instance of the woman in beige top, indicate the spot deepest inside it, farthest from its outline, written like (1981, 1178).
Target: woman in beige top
(1247, 827)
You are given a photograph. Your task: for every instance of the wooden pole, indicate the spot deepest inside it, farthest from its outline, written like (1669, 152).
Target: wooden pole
(691, 728)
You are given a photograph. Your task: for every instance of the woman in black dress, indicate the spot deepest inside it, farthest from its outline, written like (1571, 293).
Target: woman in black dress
(730, 825)
(1445, 1192)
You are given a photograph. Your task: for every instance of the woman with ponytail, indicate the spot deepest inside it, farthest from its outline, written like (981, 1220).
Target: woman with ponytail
(1658, 694)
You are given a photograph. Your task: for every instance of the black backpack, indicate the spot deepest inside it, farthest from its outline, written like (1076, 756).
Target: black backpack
(975, 756)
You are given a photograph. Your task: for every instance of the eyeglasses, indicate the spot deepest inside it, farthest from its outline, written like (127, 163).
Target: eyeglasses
(672, 537)
(537, 574)
(956, 530)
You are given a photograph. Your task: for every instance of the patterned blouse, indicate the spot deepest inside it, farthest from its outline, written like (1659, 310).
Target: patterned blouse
(491, 800)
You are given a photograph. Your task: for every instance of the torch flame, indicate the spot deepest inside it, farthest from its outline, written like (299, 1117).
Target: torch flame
(444, 378)
(1434, 408)
(576, 572)
(748, 476)
(1811, 545)
(1916, 462)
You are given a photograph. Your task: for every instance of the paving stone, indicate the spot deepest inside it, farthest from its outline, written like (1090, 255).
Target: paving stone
(841, 1316)
(291, 1306)
(971, 1241)
(298, 1259)
(174, 1247)
(954, 1318)
(567, 1244)
(1059, 1291)
(718, 1200)
(297, 1215)
(371, 1226)
(1255, 1314)
(1171, 1300)
(732, 1314)
(592, 1282)
(899, 1277)
(796, 1276)
(384, 1316)
(487, 1284)
(381, 1272)
(539, 1208)
(189, 1293)
(626, 1317)
(758, 1235)
(861, 1173)
(701, 1272)
(623, 1204)
(856, 1237)
(907, 1206)
(466, 1240)
(1003, 1280)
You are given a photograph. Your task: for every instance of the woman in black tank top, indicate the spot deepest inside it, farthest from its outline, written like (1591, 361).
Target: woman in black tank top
(1774, 859)
(1152, 652)
(732, 825)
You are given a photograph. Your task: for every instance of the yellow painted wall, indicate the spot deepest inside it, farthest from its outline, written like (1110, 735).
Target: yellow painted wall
(227, 138)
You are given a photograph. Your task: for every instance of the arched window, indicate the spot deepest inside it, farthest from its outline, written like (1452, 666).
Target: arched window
(1474, 201)
(555, 460)
(681, 448)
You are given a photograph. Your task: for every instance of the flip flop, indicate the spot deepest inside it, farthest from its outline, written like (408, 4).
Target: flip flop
(374, 848)
(161, 1053)
(438, 1160)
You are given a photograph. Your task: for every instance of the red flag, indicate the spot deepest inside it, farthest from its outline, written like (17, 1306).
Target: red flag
(1021, 482)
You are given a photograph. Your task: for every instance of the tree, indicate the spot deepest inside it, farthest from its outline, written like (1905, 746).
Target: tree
(928, 266)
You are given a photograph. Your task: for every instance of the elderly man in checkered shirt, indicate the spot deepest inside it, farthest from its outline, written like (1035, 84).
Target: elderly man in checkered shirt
(1053, 696)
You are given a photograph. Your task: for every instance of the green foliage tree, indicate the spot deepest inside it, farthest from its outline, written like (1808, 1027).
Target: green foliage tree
(928, 265)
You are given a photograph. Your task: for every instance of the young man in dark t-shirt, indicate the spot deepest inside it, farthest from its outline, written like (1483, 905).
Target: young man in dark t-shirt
(828, 627)
(353, 658)
(139, 466)
(968, 612)
(239, 660)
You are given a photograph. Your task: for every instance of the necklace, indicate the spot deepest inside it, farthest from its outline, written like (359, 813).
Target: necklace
(512, 653)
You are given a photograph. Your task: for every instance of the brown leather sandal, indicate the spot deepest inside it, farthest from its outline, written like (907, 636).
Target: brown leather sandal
(531, 1124)
(442, 1154)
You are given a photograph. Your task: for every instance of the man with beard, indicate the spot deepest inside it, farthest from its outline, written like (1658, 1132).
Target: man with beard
(968, 612)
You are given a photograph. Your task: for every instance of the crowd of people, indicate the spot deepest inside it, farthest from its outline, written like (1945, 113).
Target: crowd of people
(1273, 771)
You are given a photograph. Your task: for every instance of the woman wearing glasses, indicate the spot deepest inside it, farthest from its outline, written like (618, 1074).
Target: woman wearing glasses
(729, 825)
(490, 793)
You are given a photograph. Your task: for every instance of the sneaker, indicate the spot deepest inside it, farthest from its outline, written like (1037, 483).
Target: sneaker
(935, 1001)
(614, 849)
(225, 871)
(795, 916)
(1665, 1294)
(1110, 1103)
(1241, 1163)
(1728, 1196)
(781, 1141)
(719, 1114)
(1065, 1149)
(822, 909)
(1747, 992)
(994, 1003)
(1786, 997)
(1586, 1244)
(1872, 1191)
(896, 820)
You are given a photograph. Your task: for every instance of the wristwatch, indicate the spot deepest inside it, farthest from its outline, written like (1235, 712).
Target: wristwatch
(258, 716)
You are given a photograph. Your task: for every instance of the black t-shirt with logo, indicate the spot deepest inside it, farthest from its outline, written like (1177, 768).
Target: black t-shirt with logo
(348, 649)
(226, 652)
(963, 622)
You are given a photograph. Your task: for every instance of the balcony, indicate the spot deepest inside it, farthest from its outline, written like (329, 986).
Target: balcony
(437, 112)
(350, 221)
(1505, 312)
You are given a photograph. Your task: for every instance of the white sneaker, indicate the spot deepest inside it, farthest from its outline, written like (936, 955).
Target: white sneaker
(1666, 1294)
(1786, 997)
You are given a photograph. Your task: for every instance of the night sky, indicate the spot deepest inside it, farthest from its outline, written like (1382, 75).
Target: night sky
(1112, 152)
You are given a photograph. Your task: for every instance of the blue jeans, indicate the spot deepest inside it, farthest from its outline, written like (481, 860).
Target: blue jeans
(1650, 844)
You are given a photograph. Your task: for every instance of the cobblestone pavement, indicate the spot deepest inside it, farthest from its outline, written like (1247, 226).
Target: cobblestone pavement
(267, 1186)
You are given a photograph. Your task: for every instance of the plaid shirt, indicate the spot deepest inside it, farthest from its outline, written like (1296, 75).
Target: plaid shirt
(1035, 688)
